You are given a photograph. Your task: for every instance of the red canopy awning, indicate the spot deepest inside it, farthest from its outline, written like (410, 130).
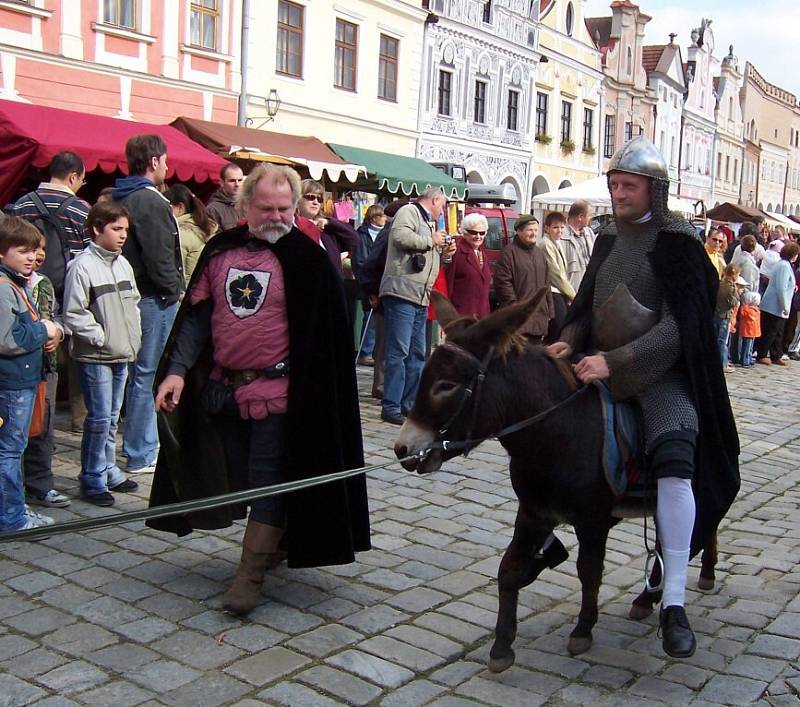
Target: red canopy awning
(30, 135)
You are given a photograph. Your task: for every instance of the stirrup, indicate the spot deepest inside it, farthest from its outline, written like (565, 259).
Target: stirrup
(653, 556)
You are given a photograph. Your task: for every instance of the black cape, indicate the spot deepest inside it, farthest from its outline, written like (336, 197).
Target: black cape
(326, 524)
(690, 285)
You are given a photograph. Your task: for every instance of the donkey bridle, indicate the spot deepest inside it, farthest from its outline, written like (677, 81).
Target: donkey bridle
(474, 389)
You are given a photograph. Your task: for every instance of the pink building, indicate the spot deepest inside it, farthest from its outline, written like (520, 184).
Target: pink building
(147, 60)
(628, 101)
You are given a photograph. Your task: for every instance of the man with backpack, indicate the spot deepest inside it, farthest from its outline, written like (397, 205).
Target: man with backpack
(56, 210)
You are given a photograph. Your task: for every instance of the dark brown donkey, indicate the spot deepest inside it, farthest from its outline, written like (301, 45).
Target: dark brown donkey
(556, 468)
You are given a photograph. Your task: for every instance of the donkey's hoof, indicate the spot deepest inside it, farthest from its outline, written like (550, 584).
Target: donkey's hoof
(579, 644)
(640, 611)
(501, 663)
(705, 583)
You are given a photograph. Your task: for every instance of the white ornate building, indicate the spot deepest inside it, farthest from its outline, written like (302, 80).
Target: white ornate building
(478, 76)
(730, 132)
(699, 125)
(665, 77)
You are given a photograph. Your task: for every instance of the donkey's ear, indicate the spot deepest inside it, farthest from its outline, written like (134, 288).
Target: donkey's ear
(500, 328)
(445, 311)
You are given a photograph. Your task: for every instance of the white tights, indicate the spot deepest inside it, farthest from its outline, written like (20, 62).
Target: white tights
(675, 521)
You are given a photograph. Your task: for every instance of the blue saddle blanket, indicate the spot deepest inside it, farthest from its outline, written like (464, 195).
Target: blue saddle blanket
(623, 445)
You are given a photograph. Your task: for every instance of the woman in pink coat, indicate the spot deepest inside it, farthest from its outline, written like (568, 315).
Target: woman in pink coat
(469, 276)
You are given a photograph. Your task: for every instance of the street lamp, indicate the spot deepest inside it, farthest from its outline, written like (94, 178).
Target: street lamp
(272, 103)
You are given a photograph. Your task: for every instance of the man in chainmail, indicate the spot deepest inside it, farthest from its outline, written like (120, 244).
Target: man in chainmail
(643, 317)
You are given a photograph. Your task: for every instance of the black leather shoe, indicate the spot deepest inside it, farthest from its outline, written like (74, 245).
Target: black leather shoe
(125, 486)
(677, 637)
(392, 419)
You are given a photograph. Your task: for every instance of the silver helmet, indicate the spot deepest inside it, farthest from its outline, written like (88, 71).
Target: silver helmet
(640, 156)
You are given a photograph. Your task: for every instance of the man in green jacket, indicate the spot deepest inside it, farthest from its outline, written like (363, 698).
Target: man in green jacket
(412, 264)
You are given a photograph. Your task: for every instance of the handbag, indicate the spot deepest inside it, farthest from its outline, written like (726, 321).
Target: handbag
(39, 415)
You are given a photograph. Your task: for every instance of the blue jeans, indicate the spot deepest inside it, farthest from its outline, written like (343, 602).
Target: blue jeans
(722, 329)
(103, 385)
(16, 409)
(367, 332)
(140, 437)
(746, 355)
(404, 324)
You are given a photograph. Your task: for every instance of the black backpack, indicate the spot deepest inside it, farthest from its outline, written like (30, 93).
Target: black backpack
(56, 242)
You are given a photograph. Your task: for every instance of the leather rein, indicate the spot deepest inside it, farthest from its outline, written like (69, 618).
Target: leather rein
(472, 391)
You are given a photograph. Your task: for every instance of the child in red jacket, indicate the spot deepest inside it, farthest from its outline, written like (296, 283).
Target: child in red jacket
(749, 327)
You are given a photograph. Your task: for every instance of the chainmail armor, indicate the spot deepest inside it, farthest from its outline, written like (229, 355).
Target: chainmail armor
(648, 368)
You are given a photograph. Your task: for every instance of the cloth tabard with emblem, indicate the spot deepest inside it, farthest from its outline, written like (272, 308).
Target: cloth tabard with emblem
(249, 326)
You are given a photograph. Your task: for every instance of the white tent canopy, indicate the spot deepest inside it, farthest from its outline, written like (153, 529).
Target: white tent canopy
(595, 191)
(776, 219)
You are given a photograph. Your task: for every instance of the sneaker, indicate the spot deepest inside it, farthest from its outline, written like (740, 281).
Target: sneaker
(785, 357)
(125, 487)
(52, 499)
(104, 498)
(37, 518)
(149, 469)
(794, 356)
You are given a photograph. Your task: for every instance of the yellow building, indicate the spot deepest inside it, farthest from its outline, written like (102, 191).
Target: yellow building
(345, 73)
(568, 104)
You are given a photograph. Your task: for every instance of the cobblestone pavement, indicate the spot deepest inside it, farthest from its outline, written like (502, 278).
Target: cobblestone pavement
(128, 616)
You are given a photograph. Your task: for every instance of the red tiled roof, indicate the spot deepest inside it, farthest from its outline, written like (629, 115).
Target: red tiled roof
(651, 55)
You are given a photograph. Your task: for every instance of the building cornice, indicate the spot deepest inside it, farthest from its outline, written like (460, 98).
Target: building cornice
(488, 41)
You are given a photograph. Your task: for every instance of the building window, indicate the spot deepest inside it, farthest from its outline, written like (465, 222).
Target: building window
(735, 172)
(609, 136)
(570, 19)
(727, 168)
(512, 115)
(445, 92)
(479, 106)
(687, 155)
(487, 12)
(629, 62)
(588, 128)
(120, 12)
(542, 100)
(566, 121)
(672, 151)
(719, 165)
(289, 47)
(346, 55)
(203, 23)
(387, 68)
(628, 131)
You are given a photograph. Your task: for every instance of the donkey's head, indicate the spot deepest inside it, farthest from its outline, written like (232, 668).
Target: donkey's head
(444, 401)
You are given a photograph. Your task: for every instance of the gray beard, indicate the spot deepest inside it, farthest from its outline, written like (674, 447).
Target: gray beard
(270, 233)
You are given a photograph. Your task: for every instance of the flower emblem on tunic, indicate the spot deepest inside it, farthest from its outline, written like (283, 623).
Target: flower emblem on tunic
(245, 291)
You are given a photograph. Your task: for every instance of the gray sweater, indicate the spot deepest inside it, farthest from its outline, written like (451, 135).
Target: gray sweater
(101, 308)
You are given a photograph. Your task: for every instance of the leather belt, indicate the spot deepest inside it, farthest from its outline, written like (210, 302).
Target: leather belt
(240, 378)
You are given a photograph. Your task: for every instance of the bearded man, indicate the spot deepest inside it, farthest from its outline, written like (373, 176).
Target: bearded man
(257, 387)
(643, 317)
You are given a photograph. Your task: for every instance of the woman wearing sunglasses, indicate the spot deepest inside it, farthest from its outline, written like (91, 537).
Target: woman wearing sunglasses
(333, 236)
(469, 275)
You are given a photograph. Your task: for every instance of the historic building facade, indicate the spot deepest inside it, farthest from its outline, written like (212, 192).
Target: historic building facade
(478, 77)
(135, 59)
(345, 73)
(730, 132)
(664, 67)
(568, 100)
(629, 104)
(699, 126)
(772, 145)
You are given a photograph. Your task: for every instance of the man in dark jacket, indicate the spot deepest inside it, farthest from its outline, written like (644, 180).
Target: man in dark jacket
(374, 221)
(222, 205)
(643, 315)
(264, 323)
(154, 251)
(521, 271)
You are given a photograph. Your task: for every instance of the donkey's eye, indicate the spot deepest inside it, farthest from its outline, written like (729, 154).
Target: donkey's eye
(444, 387)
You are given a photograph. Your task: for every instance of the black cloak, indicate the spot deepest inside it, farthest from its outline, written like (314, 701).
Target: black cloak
(690, 284)
(326, 524)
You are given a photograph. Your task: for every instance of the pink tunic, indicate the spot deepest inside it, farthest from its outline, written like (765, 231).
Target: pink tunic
(249, 326)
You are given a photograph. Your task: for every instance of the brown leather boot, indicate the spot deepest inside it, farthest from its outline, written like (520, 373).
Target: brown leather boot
(259, 551)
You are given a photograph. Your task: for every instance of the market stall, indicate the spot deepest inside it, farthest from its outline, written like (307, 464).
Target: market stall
(31, 135)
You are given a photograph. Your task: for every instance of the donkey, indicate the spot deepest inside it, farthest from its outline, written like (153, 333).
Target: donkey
(556, 468)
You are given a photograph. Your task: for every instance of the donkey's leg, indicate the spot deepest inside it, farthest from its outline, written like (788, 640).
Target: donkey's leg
(643, 605)
(708, 563)
(591, 554)
(529, 534)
